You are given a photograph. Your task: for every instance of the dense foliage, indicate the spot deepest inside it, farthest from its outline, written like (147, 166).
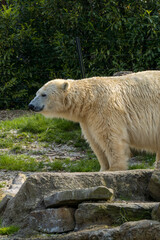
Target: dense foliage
(37, 42)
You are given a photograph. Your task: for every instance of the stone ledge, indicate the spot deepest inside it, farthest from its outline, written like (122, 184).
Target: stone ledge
(74, 197)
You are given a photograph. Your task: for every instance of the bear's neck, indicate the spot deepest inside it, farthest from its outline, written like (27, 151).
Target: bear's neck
(78, 103)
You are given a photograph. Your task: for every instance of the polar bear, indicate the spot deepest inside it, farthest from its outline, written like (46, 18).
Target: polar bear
(115, 113)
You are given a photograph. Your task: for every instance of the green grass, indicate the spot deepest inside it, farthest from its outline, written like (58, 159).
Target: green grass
(16, 149)
(20, 162)
(46, 130)
(145, 161)
(25, 163)
(6, 143)
(8, 230)
(139, 166)
(84, 165)
(2, 184)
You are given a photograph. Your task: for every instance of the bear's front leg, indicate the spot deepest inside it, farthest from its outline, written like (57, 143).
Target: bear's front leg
(100, 154)
(118, 152)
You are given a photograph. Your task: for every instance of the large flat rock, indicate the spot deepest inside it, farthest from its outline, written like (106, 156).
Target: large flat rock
(115, 213)
(132, 185)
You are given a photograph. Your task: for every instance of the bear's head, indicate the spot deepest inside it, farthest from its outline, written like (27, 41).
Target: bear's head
(49, 99)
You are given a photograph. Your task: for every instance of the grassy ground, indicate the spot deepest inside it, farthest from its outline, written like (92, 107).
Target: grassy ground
(27, 144)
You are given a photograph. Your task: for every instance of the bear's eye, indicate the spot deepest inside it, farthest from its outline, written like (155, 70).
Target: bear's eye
(43, 95)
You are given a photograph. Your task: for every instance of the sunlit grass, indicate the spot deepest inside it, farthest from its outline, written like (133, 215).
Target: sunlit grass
(20, 162)
(8, 230)
(6, 143)
(2, 184)
(144, 161)
(25, 163)
(46, 130)
(84, 165)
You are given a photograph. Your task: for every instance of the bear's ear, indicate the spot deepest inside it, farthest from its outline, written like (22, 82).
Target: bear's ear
(65, 86)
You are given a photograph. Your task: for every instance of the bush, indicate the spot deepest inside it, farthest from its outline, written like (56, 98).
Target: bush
(37, 42)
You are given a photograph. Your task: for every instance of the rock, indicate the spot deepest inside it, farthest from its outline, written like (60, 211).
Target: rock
(156, 213)
(58, 220)
(16, 184)
(73, 197)
(154, 185)
(125, 184)
(145, 229)
(4, 202)
(89, 214)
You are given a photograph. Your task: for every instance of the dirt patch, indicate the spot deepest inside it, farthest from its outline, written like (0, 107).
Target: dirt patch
(11, 114)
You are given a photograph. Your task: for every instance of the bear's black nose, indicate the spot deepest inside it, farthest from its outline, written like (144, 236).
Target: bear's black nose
(31, 106)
